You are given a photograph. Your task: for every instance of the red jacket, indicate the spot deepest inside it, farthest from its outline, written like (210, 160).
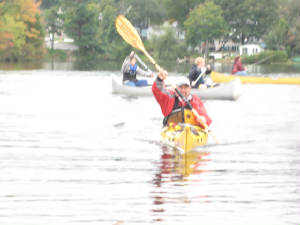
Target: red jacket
(238, 66)
(166, 100)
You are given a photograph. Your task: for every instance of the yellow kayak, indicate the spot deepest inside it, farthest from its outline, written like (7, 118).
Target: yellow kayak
(184, 136)
(221, 77)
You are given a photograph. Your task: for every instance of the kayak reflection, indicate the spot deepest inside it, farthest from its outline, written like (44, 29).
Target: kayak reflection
(175, 169)
(176, 166)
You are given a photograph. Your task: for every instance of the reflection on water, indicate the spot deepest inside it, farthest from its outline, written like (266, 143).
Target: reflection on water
(22, 66)
(175, 167)
(172, 66)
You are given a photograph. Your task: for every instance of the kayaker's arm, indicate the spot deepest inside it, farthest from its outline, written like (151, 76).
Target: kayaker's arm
(125, 66)
(164, 97)
(143, 73)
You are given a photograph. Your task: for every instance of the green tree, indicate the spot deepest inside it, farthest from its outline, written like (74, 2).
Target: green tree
(82, 24)
(179, 10)
(284, 35)
(143, 13)
(108, 15)
(54, 22)
(113, 45)
(249, 18)
(168, 46)
(46, 4)
(277, 37)
(205, 23)
(289, 10)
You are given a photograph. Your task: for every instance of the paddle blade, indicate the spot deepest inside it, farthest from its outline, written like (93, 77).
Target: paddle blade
(129, 33)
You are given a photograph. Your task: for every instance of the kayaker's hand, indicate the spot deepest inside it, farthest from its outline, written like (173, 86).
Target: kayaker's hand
(131, 54)
(208, 67)
(163, 74)
(201, 120)
(193, 83)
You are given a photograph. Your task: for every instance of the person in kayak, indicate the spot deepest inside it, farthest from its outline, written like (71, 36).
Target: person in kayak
(199, 72)
(130, 70)
(237, 68)
(173, 107)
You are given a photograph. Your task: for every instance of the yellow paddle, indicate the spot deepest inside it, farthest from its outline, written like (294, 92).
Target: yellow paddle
(131, 36)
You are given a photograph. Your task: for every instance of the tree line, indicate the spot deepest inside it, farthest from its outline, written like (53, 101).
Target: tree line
(90, 23)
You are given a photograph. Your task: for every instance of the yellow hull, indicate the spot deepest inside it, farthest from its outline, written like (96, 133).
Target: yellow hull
(220, 77)
(184, 136)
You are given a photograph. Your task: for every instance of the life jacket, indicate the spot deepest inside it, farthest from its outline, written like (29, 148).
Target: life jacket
(196, 72)
(131, 75)
(180, 114)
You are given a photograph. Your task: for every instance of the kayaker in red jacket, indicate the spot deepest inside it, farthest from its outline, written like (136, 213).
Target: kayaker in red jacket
(170, 102)
(238, 68)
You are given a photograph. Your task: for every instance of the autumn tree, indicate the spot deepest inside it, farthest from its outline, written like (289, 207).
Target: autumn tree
(21, 31)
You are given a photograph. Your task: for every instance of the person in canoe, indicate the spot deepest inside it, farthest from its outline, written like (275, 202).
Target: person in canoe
(130, 70)
(238, 68)
(173, 107)
(198, 73)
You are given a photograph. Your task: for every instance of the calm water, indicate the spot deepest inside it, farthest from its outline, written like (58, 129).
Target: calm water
(73, 153)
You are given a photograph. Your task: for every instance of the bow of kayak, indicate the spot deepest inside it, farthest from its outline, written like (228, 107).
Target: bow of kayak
(184, 136)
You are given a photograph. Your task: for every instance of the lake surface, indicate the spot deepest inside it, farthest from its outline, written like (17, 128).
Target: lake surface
(73, 153)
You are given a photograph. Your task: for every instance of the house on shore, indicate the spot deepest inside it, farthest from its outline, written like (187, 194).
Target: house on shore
(250, 49)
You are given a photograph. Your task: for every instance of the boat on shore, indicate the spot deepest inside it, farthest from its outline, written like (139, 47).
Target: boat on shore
(228, 91)
(183, 136)
(221, 77)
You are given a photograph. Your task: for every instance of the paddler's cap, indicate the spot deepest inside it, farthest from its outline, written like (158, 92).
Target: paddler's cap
(182, 81)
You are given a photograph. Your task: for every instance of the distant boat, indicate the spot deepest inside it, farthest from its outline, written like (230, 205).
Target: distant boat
(221, 77)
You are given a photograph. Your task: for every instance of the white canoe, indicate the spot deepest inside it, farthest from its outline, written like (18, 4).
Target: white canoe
(227, 91)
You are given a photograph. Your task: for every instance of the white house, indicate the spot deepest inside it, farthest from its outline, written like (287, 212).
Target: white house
(250, 49)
